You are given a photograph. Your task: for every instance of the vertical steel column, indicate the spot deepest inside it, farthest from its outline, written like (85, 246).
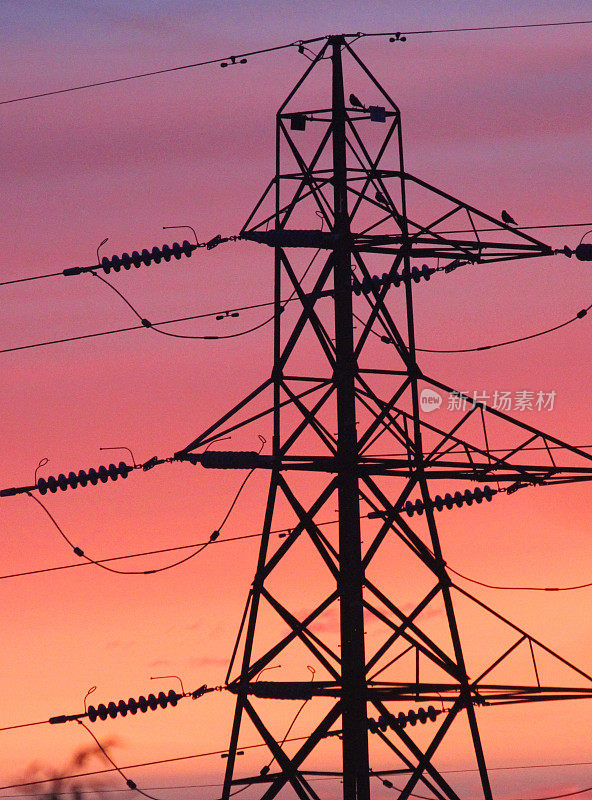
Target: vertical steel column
(415, 374)
(356, 773)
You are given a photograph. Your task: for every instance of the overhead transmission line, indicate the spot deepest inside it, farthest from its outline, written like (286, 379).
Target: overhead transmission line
(79, 270)
(228, 311)
(231, 539)
(199, 548)
(223, 753)
(481, 28)
(580, 315)
(145, 323)
(300, 44)
(389, 785)
(161, 551)
(315, 779)
(144, 764)
(387, 339)
(166, 252)
(160, 323)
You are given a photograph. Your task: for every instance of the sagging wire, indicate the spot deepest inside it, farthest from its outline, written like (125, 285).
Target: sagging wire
(278, 532)
(580, 315)
(144, 764)
(100, 563)
(130, 783)
(263, 441)
(147, 324)
(520, 588)
(282, 532)
(266, 768)
(389, 785)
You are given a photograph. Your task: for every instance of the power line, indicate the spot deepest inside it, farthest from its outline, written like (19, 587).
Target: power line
(147, 324)
(463, 230)
(137, 328)
(276, 532)
(161, 551)
(59, 778)
(152, 73)
(130, 784)
(200, 548)
(155, 325)
(521, 588)
(390, 785)
(32, 278)
(214, 337)
(297, 44)
(130, 555)
(580, 315)
(316, 779)
(482, 28)
(24, 725)
(511, 768)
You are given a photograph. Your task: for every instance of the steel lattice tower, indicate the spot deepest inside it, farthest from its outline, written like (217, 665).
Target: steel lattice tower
(325, 433)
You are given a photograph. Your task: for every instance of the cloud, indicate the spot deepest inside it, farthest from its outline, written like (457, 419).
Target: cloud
(161, 662)
(208, 661)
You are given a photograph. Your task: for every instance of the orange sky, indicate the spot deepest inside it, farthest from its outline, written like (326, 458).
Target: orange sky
(499, 120)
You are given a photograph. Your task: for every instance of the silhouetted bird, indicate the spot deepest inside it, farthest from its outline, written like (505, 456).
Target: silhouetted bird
(381, 198)
(508, 219)
(355, 102)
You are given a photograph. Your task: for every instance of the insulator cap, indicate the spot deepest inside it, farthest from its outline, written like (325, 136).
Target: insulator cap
(223, 459)
(282, 691)
(303, 238)
(173, 697)
(583, 252)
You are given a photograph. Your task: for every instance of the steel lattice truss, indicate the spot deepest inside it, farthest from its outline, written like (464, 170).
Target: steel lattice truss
(344, 161)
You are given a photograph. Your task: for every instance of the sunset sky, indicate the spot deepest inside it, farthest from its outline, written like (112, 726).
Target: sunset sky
(500, 119)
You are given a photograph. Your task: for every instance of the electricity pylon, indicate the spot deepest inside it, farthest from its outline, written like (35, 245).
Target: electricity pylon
(332, 408)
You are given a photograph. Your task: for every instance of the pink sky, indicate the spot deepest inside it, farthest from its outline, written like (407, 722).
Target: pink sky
(498, 119)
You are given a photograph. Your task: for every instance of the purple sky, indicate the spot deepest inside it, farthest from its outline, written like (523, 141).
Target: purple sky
(500, 119)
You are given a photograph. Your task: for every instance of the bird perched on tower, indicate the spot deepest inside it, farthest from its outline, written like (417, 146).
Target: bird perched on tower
(508, 219)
